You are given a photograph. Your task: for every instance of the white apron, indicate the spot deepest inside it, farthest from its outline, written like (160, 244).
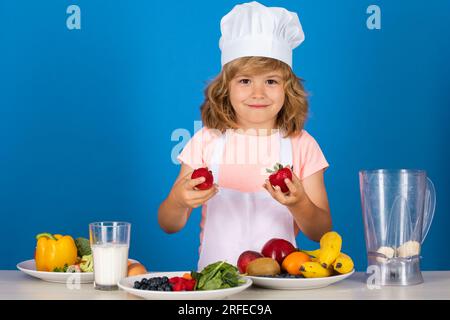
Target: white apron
(237, 221)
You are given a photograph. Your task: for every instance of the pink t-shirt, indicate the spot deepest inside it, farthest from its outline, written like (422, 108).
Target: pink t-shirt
(246, 158)
(249, 156)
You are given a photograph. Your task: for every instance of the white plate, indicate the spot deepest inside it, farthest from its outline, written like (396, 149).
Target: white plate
(297, 283)
(29, 267)
(128, 283)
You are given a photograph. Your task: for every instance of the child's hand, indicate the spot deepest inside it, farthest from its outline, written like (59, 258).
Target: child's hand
(295, 194)
(186, 195)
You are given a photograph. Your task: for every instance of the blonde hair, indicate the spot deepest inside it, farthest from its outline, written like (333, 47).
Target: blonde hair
(218, 113)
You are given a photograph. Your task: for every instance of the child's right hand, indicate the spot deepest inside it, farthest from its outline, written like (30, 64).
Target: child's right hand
(186, 195)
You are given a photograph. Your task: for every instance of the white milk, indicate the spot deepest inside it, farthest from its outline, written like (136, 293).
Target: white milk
(110, 263)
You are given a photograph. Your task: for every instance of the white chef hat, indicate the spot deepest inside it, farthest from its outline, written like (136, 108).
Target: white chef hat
(252, 29)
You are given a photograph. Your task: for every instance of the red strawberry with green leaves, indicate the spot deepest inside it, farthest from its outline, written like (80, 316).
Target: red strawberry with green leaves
(203, 172)
(278, 174)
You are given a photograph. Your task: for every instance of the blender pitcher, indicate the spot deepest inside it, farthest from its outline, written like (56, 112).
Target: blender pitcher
(398, 208)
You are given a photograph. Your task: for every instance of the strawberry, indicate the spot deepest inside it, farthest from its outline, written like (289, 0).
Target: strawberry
(278, 175)
(182, 284)
(203, 172)
(173, 280)
(189, 284)
(178, 286)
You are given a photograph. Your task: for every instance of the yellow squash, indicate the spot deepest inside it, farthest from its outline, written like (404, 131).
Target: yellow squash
(54, 251)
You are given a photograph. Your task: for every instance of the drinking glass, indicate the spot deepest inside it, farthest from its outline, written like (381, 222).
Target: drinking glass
(110, 241)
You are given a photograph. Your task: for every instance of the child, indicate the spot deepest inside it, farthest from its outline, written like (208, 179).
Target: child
(254, 112)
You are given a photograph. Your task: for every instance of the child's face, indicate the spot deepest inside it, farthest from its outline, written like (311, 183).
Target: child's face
(257, 99)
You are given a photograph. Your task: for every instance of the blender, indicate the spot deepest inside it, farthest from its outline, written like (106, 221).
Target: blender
(398, 208)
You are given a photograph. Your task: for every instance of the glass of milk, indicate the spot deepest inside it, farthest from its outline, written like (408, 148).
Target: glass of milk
(110, 241)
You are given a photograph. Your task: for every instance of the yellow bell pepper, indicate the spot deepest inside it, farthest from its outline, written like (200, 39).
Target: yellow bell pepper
(54, 251)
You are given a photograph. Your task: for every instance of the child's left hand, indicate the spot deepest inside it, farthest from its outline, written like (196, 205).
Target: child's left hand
(295, 194)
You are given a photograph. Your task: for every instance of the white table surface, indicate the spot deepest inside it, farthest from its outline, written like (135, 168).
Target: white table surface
(15, 285)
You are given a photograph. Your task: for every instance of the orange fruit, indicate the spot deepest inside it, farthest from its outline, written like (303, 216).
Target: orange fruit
(135, 269)
(187, 276)
(291, 264)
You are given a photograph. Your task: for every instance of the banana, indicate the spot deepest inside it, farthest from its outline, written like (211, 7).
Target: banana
(313, 269)
(312, 253)
(409, 249)
(343, 263)
(330, 247)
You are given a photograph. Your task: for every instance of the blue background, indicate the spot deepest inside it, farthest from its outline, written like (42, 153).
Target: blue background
(86, 116)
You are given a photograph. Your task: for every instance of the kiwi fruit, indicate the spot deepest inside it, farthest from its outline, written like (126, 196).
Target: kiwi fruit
(263, 267)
